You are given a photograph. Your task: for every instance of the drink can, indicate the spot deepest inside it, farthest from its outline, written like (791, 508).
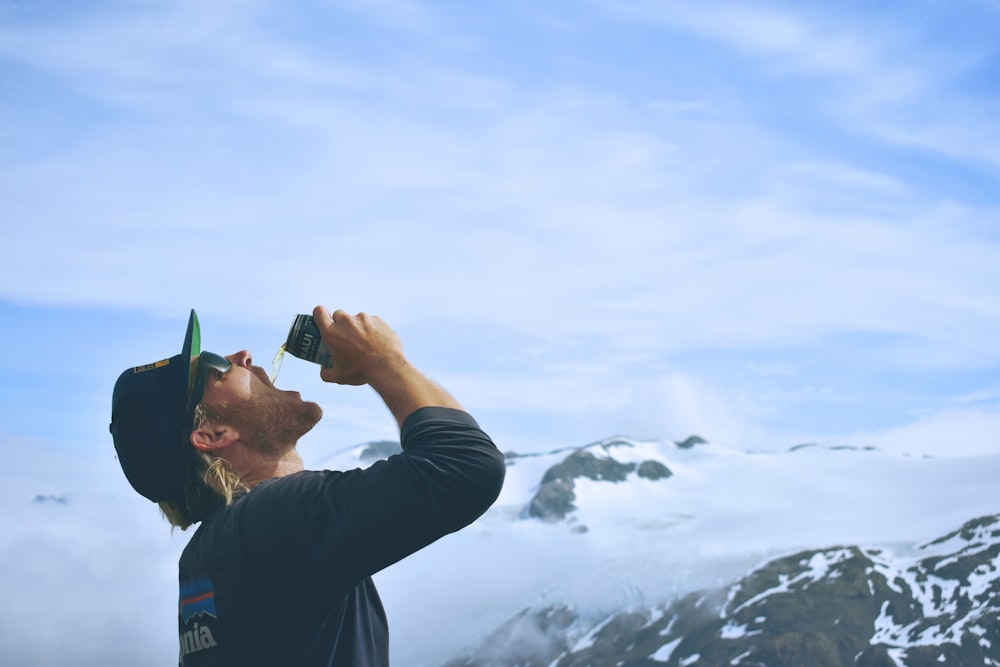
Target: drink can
(304, 341)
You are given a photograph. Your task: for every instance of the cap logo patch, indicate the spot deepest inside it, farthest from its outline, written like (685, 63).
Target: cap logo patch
(149, 367)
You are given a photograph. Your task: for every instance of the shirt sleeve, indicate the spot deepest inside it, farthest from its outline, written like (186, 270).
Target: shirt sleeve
(324, 531)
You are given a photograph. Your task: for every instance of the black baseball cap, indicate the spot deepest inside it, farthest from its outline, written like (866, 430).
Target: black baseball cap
(151, 419)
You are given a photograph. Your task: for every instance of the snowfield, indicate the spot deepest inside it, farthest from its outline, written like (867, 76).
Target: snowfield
(83, 561)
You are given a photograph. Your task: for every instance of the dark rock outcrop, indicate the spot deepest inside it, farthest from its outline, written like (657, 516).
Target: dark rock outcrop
(690, 442)
(653, 470)
(380, 449)
(554, 499)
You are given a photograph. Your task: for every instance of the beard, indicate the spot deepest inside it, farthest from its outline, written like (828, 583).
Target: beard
(270, 422)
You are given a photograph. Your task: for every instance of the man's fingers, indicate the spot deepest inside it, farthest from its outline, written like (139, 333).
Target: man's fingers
(322, 317)
(336, 375)
(357, 343)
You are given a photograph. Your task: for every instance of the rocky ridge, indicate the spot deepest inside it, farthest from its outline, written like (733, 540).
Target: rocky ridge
(845, 605)
(555, 495)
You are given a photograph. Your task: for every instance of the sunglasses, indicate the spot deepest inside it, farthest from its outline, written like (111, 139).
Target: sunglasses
(202, 364)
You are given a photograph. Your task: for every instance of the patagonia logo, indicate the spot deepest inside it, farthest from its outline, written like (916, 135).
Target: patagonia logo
(198, 616)
(197, 598)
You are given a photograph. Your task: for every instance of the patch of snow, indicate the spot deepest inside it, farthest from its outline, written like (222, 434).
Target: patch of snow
(898, 656)
(664, 652)
(732, 630)
(738, 659)
(588, 640)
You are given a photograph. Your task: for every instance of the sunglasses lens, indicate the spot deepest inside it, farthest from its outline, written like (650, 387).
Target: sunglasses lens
(206, 361)
(215, 362)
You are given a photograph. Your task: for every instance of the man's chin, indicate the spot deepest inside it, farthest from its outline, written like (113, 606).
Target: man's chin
(315, 412)
(309, 414)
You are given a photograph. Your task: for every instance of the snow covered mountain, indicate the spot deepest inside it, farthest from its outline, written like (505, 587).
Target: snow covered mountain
(627, 552)
(824, 608)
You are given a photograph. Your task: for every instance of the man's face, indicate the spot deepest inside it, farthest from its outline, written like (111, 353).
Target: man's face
(267, 418)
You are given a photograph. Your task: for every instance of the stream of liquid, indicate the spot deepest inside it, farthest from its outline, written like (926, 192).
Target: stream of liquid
(276, 363)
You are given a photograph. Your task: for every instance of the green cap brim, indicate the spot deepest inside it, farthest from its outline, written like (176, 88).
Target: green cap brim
(191, 349)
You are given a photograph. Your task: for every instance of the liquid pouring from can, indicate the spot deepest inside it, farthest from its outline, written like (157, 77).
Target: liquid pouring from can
(276, 363)
(304, 341)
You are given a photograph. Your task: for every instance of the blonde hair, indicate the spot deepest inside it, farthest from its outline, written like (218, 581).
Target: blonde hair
(214, 473)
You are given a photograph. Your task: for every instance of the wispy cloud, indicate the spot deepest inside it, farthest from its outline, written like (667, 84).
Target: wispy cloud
(891, 79)
(620, 226)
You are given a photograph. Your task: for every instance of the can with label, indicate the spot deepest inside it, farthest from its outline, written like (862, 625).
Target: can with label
(304, 341)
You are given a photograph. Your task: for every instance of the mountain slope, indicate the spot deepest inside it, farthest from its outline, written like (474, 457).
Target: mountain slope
(823, 608)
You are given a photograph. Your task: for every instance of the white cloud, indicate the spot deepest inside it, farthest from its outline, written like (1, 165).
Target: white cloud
(883, 77)
(579, 209)
(806, 39)
(942, 433)
(79, 561)
(858, 179)
(681, 404)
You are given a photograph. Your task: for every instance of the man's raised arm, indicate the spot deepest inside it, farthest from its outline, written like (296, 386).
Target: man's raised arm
(365, 350)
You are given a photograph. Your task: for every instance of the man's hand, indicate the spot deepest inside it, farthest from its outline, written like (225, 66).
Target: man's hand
(365, 350)
(361, 346)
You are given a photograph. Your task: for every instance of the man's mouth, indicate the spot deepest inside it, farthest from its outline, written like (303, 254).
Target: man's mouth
(259, 372)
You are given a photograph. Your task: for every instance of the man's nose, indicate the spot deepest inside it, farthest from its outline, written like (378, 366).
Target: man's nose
(241, 358)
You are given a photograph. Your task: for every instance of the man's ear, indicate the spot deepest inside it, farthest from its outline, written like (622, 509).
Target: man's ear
(210, 438)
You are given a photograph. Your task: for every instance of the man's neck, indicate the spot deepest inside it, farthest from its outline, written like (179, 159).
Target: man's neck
(255, 467)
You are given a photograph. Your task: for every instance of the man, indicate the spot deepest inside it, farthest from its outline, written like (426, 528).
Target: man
(279, 571)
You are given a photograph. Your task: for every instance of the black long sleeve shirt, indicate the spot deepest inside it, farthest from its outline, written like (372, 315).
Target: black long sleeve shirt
(283, 575)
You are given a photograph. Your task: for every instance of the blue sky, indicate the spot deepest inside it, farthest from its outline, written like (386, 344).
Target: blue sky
(765, 223)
